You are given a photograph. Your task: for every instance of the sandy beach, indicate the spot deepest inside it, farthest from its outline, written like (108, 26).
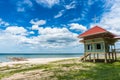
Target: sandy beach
(33, 61)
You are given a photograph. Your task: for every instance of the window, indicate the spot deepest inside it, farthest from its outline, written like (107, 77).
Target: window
(89, 47)
(98, 46)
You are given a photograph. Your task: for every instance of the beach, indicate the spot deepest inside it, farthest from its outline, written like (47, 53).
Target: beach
(33, 61)
(57, 69)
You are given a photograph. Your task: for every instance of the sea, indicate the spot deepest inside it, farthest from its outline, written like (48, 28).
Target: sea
(5, 57)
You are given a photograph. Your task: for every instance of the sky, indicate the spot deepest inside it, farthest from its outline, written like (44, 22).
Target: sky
(52, 26)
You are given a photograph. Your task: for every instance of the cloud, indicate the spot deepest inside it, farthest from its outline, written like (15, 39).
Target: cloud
(78, 27)
(66, 7)
(22, 5)
(53, 38)
(48, 39)
(71, 5)
(75, 20)
(111, 20)
(15, 30)
(37, 23)
(11, 39)
(57, 37)
(47, 3)
(60, 13)
(35, 27)
(3, 23)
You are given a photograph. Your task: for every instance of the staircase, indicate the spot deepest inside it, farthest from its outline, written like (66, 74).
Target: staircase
(84, 57)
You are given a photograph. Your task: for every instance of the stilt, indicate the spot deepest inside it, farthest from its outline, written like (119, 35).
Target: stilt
(109, 57)
(97, 56)
(94, 57)
(105, 57)
(90, 57)
(115, 56)
(112, 56)
(84, 57)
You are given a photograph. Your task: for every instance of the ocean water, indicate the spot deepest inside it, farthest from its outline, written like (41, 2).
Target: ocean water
(4, 57)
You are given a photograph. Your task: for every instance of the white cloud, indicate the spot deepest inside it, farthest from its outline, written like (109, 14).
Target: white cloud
(22, 5)
(47, 38)
(18, 39)
(75, 20)
(50, 30)
(37, 23)
(35, 27)
(3, 23)
(47, 3)
(67, 7)
(11, 39)
(31, 32)
(111, 19)
(53, 38)
(57, 37)
(76, 26)
(71, 5)
(15, 30)
(60, 13)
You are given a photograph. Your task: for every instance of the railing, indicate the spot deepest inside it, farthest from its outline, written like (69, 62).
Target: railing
(85, 56)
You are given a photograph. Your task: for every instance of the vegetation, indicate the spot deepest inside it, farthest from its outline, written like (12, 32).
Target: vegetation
(71, 69)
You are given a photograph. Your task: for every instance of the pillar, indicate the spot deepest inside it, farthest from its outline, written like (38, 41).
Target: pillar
(105, 57)
(115, 54)
(89, 57)
(109, 56)
(97, 55)
(94, 57)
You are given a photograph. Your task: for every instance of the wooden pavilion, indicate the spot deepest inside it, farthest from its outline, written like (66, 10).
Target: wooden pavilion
(98, 41)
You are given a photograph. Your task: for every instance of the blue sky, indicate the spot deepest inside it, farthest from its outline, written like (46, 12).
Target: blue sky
(52, 26)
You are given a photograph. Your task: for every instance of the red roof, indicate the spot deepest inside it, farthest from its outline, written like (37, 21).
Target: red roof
(92, 31)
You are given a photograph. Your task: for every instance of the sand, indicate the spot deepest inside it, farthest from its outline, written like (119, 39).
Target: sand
(33, 61)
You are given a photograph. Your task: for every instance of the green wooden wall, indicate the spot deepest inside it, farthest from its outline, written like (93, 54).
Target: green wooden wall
(95, 45)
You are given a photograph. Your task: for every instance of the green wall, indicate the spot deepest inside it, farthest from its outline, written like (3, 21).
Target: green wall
(95, 45)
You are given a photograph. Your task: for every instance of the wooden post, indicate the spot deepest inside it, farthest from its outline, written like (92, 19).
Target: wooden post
(97, 55)
(105, 57)
(94, 57)
(115, 53)
(84, 52)
(113, 56)
(89, 57)
(84, 57)
(109, 56)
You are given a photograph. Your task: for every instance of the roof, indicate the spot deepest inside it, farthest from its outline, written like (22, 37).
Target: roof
(92, 31)
(117, 37)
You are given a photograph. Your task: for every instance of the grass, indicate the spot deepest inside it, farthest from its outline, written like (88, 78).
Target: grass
(68, 70)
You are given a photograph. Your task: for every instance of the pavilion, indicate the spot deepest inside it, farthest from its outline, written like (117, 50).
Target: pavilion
(98, 41)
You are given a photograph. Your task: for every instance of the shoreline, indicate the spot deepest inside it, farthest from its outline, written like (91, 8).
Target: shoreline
(33, 61)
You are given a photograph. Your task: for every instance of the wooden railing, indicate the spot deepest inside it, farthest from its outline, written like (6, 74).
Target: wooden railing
(85, 56)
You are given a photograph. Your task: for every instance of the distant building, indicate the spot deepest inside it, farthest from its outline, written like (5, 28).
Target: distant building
(98, 41)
